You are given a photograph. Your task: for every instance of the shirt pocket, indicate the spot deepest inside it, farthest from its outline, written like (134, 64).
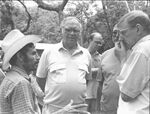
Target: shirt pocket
(57, 73)
(83, 71)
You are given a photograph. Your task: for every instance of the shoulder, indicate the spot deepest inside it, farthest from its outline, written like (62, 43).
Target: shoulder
(15, 77)
(85, 51)
(108, 52)
(12, 81)
(143, 48)
(51, 48)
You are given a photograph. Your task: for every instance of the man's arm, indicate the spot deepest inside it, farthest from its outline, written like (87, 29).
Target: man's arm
(22, 100)
(41, 82)
(42, 71)
(133, 78)
(126, 98)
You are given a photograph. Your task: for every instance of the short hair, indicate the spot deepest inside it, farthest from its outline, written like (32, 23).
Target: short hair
(93, 34)
(72, 19)
(23, 51)
(137, 17)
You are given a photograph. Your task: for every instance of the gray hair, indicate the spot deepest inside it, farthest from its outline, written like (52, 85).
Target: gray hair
(137, 17)
(71, 19)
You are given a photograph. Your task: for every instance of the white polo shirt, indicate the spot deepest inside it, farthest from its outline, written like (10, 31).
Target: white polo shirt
(65, 73)
(134, 79)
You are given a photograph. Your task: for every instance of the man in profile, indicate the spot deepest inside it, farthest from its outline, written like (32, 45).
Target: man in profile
(134, 79)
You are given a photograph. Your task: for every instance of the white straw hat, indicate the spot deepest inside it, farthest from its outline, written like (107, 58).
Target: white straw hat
(13, 42)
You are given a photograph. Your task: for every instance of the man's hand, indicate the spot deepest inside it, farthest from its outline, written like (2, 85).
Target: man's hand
(126, 98)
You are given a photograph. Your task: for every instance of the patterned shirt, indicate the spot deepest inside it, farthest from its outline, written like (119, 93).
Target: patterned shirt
(2, 76)
(16, 94)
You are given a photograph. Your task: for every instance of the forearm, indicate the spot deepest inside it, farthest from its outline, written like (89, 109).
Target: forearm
(126, 98)
(41, 82)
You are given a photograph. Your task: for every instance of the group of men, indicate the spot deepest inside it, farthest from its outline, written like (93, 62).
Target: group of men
(73, 80)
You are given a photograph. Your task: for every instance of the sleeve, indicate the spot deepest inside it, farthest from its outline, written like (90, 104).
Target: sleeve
(134, 75)
(42, 69)
(2, 76)
(22, 100)
(99, 73)
(89, 74)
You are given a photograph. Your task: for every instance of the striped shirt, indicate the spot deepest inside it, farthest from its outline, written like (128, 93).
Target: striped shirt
(2, 76)
(16, 94)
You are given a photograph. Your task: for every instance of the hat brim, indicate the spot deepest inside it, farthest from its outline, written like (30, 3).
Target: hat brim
(16, 47)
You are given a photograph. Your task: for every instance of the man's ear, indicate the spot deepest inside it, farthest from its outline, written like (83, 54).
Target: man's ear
(139, 29)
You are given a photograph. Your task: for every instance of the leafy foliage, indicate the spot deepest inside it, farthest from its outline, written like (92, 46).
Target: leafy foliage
(46, 23)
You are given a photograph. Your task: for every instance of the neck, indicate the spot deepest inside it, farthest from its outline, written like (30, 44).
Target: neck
(69, 46)
(22, 67)
(92, 51)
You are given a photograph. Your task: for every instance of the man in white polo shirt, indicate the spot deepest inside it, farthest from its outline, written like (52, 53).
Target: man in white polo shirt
(66, 67)
(134, 79)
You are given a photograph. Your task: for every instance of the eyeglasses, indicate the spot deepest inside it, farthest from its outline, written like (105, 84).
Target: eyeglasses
(99, 42)
(72, 30)
(116, 33)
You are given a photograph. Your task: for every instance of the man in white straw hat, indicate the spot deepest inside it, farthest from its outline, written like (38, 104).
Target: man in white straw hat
(16, 93)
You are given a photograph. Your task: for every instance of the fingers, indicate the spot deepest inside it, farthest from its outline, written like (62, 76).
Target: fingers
(79, 111)
(71, 102)
(79, 106)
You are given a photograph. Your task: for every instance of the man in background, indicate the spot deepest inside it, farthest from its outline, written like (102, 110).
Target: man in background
(111, 61)
(96, 42)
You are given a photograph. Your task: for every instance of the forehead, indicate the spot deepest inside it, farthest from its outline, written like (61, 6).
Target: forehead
(122, 25)
(97, 37)
(31, 49)
(71, 23)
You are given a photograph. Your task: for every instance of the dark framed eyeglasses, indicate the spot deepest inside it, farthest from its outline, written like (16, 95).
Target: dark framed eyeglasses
(72, 30)
(116, 33)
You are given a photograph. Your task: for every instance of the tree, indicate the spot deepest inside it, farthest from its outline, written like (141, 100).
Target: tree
(52, 7)
(9, 13)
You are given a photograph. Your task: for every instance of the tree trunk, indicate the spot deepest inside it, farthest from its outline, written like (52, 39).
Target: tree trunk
(107, 21)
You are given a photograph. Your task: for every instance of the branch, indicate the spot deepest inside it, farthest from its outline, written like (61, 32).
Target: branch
(107, 21)
(128, 8)
(62, 6)
(106, 17)
(29, 17)
(52, 7)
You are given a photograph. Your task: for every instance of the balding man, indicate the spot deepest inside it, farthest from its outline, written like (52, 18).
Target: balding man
(134, 79)
(95, 43)
(66, 67)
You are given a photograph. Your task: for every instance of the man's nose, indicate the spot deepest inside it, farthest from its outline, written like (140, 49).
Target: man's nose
(37, 57)
(72, 32)
(120, 38)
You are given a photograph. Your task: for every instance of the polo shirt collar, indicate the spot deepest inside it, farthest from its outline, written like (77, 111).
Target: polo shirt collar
(78, 49)
(147, 37)
(96, 53)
